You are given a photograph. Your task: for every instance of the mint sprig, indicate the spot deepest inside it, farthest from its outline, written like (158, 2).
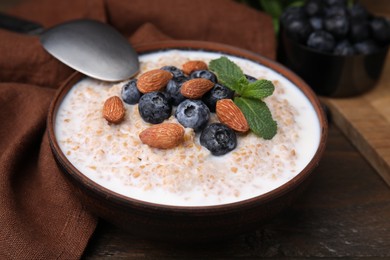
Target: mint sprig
(259, 89)
(250, 96)
(229, 74)
(258, 115)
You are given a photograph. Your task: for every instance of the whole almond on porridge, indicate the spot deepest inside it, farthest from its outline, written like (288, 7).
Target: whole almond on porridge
(153, 80)
(231, 115)
(114, 110)
(196, 88)
(192, 65)
(163, 136)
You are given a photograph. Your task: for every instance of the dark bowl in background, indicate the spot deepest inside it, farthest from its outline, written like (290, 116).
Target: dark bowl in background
(188, 223)
(332, 75)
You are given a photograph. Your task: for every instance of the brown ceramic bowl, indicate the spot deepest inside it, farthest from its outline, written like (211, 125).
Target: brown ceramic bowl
(188, 223)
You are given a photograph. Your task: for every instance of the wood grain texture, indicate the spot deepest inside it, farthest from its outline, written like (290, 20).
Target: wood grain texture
(365, 120)
(344, 213)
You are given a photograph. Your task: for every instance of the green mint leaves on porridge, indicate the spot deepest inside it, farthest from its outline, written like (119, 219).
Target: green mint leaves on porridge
(258, 116)
(259, 89)
(250, 95)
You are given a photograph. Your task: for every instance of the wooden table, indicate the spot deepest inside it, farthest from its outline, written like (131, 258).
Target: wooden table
(345, 212)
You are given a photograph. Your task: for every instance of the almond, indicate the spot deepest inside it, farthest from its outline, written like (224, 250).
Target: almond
(231, 115)
(196, 88)
(114, 110)
(153, 80)
(193, 65)
(163, 136)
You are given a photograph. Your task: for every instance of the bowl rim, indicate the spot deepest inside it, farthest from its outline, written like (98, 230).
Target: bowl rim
(116, 198)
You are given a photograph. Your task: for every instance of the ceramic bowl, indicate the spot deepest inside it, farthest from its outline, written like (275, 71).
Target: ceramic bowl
(332, 75)
(188, 223)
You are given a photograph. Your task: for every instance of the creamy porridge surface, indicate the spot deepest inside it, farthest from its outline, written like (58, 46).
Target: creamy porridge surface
(188, 175)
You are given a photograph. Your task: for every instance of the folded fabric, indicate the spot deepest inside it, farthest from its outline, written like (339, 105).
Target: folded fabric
(40, 218)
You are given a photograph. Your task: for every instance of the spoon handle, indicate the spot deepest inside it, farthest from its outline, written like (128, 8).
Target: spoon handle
(19, 25)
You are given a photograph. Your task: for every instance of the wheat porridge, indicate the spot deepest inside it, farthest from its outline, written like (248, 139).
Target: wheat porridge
(113, 155)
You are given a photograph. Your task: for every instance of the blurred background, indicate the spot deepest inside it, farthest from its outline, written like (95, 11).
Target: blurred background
(5, 4)
(274, 7)
(379, 7)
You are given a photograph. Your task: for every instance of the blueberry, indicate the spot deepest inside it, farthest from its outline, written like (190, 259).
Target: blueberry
(292, 13)
(298, 30)
(380, 29)
(335, 11)
(357, 12)
(130, 93)
(316, 22)
(359, 31)
(344, 48)
(173, 89)
(218, 139)
(313, 7)
(218, 92)
(154, 107)
(366, 47)
(176, 72)
(193, 114)
(335, 2)
(206, 74)
(250, 78)
(321, 41)
(338, 26)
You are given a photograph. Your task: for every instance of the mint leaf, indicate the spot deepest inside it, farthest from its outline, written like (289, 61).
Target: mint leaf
(258, 115)
(258, 89)
(228, 73)
(243, 83)
(249, 97)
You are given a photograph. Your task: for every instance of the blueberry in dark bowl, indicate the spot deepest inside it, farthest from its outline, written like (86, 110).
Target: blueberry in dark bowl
(292, 13)
(218, 138)
(218, 92)
(380, 28)
(176, 72)
(173, 89)
(321, 41)
(313, 7)
(193, 114)
(206, 74)
(338, 25)
(154, 107)
(335, 2)
(359, 31)
(345, 53)
(316, 22)
(335, 11)
(357, 12)
(298, 29)
(130, 93)
(344, 48)
(366, 47)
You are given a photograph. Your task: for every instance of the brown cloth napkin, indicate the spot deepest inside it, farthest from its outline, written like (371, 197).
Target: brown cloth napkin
(40, 218)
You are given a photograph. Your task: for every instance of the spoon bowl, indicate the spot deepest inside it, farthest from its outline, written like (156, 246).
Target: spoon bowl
(93, 48)
(88, 46)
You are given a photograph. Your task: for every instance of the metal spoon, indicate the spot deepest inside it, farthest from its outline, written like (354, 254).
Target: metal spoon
(88, 46)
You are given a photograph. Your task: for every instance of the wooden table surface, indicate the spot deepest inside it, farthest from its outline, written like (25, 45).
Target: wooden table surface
(345, 212)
